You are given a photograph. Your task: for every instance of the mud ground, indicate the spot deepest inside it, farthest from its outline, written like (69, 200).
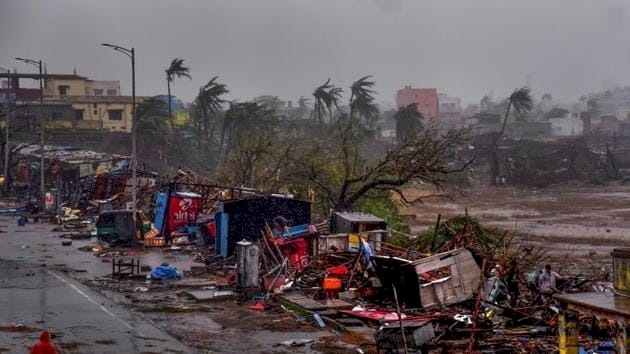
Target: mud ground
(577, 226)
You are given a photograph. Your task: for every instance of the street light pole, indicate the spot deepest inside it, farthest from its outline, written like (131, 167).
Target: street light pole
(134, 178)
(38, 64)
(6, 135)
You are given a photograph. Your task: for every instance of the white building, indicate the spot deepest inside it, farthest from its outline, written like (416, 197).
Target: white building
(569, 125)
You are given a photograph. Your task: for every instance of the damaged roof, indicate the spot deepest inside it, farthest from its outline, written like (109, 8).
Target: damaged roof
(359, 217)
(67, 154)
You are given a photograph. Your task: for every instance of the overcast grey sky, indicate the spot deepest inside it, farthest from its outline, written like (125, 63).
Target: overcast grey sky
(287, 47)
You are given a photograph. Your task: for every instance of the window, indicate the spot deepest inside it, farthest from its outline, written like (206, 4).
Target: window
(111, 92)
(115, 114)
(98, 92)
(63, 90)
(56, 116)
(78, 114)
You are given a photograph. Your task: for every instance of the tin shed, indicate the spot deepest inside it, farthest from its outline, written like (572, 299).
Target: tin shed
(245, 218)
(351, 222)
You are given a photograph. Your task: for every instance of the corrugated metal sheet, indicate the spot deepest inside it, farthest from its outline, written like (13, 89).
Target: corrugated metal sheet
(359, 217)
(68, 155)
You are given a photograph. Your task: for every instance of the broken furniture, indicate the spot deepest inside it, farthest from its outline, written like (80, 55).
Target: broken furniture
(122, 268)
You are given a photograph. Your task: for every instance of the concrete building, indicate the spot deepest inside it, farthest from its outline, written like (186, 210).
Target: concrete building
(425, 98)
(449, 109)
(95, 104)
(569, 125)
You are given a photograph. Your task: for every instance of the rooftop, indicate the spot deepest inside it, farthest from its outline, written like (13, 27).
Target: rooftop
(67, 154)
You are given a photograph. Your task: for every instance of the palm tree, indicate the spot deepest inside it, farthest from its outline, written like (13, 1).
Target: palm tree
(521, 101)
(325, 97)
(208, 103)
(362, 100)
(335, 97)
(178, 69)
(247, 118)
(322, 100)
(408, 122)
(154, 135)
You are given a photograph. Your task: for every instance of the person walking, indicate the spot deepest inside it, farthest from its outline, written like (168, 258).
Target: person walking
(44, 346)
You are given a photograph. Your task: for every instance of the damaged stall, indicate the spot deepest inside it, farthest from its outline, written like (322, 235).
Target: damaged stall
(346, 231)
(244, 219)
(77, 174)
(613, 307)
(176, 214)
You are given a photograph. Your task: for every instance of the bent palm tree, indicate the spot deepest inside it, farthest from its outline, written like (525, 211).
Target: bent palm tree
(362, 100)
(178, 69)
(321, 100)
(209, 102)
(335, 96)
(521, 100)
(325, 97)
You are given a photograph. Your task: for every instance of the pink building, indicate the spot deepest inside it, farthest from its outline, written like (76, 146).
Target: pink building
(425, 98)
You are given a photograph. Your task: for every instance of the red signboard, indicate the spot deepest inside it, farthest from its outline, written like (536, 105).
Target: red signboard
(296, 250)
(182, 212)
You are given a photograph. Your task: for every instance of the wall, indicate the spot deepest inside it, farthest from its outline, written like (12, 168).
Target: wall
(94, 111)
(426, 99)
(566, 126)
(104, 86)
(76, 87)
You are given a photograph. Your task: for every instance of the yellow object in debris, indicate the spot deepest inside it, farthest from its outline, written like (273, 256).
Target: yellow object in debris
(100, 170)
(2, 180)
(152, 233)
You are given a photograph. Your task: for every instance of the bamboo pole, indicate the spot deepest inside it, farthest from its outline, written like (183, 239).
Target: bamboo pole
(402, 329)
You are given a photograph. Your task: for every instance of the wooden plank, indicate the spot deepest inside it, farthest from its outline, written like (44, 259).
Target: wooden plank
(350, 321)
(316, 305)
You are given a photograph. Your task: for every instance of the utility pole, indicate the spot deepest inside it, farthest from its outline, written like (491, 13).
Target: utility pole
(6, 135)
(134, 177)
(42, 190)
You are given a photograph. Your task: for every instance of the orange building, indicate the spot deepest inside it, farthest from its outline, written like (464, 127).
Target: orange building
(425, 98)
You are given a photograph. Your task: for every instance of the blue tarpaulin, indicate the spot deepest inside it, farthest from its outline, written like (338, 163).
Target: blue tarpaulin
(165, 271)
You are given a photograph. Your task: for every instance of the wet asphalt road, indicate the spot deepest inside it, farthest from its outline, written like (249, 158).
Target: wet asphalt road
(37, 293)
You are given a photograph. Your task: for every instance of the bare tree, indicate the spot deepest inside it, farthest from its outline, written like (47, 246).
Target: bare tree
(341, 175)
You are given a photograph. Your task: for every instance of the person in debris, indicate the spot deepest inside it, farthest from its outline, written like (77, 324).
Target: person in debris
(281, 225)
(44, 346)
(547, 281)
(513, 281)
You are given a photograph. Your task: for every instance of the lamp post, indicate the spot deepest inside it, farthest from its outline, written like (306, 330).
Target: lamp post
(6, 135)
(134, 178)
(38, 64)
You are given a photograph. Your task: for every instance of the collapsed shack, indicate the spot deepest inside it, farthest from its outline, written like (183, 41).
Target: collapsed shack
(70, 173)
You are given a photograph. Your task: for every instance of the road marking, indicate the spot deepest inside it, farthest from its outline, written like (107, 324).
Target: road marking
(75, 288)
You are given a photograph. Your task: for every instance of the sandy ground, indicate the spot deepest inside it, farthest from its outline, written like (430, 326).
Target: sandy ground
(573, 224)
